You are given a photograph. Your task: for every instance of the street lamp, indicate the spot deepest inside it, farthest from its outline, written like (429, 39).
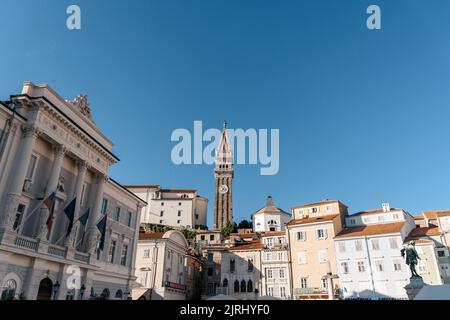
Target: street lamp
(55, 289)
(127, 295)
(82, 290)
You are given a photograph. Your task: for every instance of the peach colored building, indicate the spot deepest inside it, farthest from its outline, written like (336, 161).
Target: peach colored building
(311, 247)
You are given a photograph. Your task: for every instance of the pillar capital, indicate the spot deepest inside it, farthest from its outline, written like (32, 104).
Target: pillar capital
(60, 150)
(30, 131)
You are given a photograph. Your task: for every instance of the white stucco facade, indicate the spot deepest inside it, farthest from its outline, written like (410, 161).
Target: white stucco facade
(270, 218)
(52, 146)
(172, 207)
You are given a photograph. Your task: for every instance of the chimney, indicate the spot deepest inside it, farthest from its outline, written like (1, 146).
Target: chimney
(269, 201)
(386, 207)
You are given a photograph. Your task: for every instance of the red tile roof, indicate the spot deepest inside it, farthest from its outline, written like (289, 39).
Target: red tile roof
(426, 231)
(255, 245)
(371, 230)
(150, 186)
(156, 235)
(274, 233)
(380, 210)
(312, 220)
(433, 214)
(419, 218)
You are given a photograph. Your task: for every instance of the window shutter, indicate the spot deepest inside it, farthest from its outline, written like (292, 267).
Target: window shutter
(325, 233)
(304, 235)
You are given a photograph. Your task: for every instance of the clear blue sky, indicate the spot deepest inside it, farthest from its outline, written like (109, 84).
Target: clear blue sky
(363, 115)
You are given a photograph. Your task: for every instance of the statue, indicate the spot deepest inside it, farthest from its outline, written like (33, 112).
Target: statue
(411, 258)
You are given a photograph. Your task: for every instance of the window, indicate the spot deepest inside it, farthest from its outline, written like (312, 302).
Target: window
(397, 265)
(441, 253)
(123, 257)
(361, 266)
(243, 286)
(250, 286)
(393, 243)
(210, 272)
(202, 238)
(119, 294)
(160, 221)
(19, 215)
(9, 290)
(269, 274)
(169, 254)
(129, 218)
(344, 267)
(179, 203)
(210, 257)
(380, 218)
(321, 234)
(301, 236)
(112, 251)
(31, 167)
(300, 213)
(315, 210)
(117, 215)
(144, 278)
(379, 266)
(303, 283)
(269, 242)
(283, 292)
(147, 253)
(236, 286)
(323, 256)
(282, 273)
(225, 283)
(211, 237)
(395, 216)
(341, 246)
(104, 205)
(161, 214)
(358, 245)
(302, 257)
(352, 221)
(232, 265)
(324, 283)
(250, 265)
(162, 204)
(375, 244)
(178, 221)
(179, 213)
(328, 208)
(270, 291)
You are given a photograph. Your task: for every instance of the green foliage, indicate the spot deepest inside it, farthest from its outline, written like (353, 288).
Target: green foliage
(245, 224)
(154, 228)
(229, 229)
(188, 233)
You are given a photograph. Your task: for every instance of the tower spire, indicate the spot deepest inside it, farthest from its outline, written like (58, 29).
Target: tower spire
(224, 124)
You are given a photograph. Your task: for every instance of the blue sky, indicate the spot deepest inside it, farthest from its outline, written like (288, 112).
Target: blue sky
(363, 115)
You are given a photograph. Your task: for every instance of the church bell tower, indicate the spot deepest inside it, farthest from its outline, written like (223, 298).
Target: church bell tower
(223, 174)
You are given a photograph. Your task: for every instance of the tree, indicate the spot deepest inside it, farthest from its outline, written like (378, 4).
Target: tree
(188, 233)
(229, 229)
(245, 224)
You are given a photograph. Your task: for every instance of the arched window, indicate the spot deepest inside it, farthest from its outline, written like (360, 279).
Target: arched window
(225, 283)
(119, 294)
(250, 286)
(243, 286)
(232, 265)
(105, 294)
(236, 286)
(9, 290)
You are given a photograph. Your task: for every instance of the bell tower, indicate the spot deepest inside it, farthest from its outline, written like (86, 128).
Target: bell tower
(223, 175)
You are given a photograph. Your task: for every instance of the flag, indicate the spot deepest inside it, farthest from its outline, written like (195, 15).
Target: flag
(101, 225)
(70, 213)
(50, 217)
(83, 220)
(50, 200)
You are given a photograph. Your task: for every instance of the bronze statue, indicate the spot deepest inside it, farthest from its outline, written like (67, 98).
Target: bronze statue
(411, 258)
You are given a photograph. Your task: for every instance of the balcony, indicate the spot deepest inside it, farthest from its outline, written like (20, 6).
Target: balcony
(57, 251)
(26, 243)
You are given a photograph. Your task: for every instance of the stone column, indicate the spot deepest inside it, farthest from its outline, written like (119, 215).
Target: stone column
(17, 178)
(82, 168)
(51, 187)
(95, 213)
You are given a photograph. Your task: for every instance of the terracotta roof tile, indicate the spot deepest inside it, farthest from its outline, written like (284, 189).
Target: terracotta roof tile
(274, 233)
(426, 231)
(156, 235)
(371, 230)
(419, 218)
(312, 220)
(255, 245)
(432, 214)
(380, 210)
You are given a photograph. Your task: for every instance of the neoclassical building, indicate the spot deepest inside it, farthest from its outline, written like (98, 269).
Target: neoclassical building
(55, 193)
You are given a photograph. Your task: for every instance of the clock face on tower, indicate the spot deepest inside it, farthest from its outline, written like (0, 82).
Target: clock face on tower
(223, 189)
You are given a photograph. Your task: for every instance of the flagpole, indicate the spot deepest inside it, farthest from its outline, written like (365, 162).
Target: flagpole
(22, 223)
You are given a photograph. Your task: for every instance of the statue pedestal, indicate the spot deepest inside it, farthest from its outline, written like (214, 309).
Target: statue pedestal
(414, 286)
